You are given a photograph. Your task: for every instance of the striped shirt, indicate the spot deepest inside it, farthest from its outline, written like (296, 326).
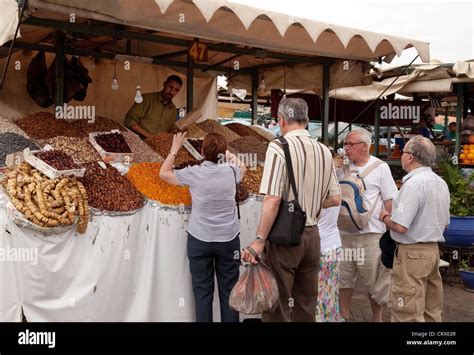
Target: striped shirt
(314, 172)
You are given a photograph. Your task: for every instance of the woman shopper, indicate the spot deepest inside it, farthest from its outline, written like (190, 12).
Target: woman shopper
(213, 229)
(327, 309)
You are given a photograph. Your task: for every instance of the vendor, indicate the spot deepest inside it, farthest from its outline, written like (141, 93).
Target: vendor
(451, 131)
(157, 112)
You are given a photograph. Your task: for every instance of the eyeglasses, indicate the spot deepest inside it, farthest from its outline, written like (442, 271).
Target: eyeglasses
(403, 152)
(352, 144)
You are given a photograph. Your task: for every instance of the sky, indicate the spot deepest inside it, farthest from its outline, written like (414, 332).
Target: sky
(447, 25)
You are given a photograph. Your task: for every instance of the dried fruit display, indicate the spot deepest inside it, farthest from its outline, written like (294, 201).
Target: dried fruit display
(214, 126)
(45, 202)
(252, 179)
(100, 124)
(141, 151)
(112, 142)
(161, 143)
(79, 148)
(110, 191)
(245, 131)
(12, 143)
(250, 145)
(197, 144)
(44, 125)
(57, 159)
(146, 177)
(194, 131)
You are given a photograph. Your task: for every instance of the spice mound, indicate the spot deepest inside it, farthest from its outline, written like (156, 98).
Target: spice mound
(214, 126)
(141, 151)
(112, 142)
(252, 179)
(57, 159)
(45, 202)
(145, 176)
(79, 148)
(245, 131)
(100, 124)
(161, 143)
(250, 145)
(110, 191)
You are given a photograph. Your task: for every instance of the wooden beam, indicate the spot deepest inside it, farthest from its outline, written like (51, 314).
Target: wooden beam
(189, 84)
(459, 113)
(254, 97)
(325, 118)
(221, 62)
(170, 55)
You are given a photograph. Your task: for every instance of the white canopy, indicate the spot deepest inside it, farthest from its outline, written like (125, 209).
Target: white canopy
(224, 21)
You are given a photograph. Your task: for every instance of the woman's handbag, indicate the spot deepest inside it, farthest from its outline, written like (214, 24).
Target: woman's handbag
(290, 221)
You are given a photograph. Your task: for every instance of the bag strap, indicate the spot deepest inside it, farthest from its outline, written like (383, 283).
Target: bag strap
(289, 165)
(236, 200)
(370, 169)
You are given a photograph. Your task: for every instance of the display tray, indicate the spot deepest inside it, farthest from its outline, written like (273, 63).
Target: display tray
(47, 169)
(98, 212)
(110, 157)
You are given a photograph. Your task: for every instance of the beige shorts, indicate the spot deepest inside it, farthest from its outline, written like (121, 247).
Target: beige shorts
(361, 257)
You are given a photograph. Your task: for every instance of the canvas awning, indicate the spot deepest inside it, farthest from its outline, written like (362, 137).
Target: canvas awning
(224, 21)
(428, 78)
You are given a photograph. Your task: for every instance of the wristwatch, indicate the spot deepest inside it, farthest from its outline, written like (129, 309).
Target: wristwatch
(259, 238)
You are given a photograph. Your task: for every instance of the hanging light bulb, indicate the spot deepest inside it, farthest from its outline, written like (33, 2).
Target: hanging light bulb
(115, 84)
(138, 96)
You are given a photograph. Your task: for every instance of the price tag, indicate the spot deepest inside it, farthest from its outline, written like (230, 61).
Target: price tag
(14, 159)
(198, 51)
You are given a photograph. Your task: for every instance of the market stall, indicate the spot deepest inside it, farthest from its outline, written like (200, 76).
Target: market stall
(120, 252)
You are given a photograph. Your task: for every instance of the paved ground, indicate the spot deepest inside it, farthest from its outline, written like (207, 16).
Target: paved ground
(458, 306)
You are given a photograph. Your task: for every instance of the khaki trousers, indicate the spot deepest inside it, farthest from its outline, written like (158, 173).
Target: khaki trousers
(296, 271)
(417, 288)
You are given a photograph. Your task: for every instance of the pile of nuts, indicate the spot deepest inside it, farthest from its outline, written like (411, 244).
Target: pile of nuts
(141, 151)
(245, 131)
(57, 159)
(250, 145)
(213, 126)
(162, 142)
(241, 193)
(100, 124)
(252, 179)
(46, 202)
(7, 126)
(44, 125)
(112, 142)
(193, 131)
(146, 177)
(110, 191)
(263, 132)
(79, 148)
(12, 143)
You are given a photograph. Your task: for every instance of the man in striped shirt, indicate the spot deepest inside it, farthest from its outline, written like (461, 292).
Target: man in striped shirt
(295, 267)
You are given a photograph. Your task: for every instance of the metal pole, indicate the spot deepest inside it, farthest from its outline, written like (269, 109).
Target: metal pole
(59, 88)
(189, 84)
(459, 112)
(377, 128)
(325, 121)
(446, 120)
(254, 96)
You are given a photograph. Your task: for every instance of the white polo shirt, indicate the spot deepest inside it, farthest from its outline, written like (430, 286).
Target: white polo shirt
(422, 206)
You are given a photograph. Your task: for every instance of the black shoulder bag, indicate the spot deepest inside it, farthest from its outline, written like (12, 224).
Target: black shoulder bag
(290, 221)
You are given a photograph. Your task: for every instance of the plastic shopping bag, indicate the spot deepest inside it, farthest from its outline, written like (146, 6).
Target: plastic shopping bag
(255, 292)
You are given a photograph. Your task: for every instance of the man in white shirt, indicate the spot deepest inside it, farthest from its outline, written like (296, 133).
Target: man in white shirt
(420, 216)
(380, 190)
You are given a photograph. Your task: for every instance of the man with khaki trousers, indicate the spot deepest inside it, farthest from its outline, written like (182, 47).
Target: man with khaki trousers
(420, 216)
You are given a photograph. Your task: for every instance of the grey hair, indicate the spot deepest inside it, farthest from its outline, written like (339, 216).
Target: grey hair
(365, 136)
(423, 150)
(294, 110)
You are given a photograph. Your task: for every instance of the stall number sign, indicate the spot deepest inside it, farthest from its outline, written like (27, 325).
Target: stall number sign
(198, 51)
